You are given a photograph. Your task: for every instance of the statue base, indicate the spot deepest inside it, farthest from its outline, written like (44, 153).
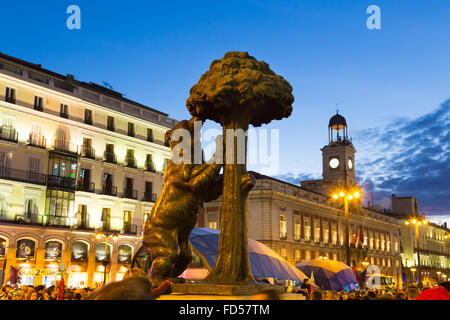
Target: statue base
(223, 289)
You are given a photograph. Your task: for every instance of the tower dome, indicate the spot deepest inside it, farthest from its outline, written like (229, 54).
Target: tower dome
(337, 129)
(337, 122)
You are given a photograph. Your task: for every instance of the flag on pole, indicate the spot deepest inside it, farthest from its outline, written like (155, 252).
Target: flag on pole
(311, 279)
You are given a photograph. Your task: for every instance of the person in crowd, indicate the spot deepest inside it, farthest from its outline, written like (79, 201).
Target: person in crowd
(317, 295)
(6, 289)
(305, 285)
(412, 293)
(400, 295)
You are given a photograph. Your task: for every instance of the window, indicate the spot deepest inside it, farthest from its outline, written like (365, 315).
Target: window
(307, 230)
(2, 248)
(38, 105)
(326, 233)
(283, 253)
(87, 116)
(296, 229)
(63, 111)
(130, 161)
(109, 155)
(377, 241)
(371, 241)
(53, 250)
(110, 125)
(149, 135)
(10, 95)
(383, 243)
(334, 236)
(149, 165)
(396, 245)
(124, 255)
(131, 129)
(316, 231)
(307, 255)
(127, 221)
(25, 249)
(82, 216)
(148, 193)
(297, 256)
(100, 254)
(212, 221)
(283, 226)
(106, 216)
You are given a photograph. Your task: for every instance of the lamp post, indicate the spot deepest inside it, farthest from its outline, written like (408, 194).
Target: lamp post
(105, 261)
(347, 194)
(417, 221)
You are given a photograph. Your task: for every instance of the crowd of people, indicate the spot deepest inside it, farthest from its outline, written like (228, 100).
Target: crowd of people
(24, 292)
(136, 286)
(439, 292)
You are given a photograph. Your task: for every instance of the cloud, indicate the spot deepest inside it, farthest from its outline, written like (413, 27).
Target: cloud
(409, 158)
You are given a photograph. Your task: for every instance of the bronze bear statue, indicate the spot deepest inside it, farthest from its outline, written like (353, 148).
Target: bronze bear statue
(175, 213)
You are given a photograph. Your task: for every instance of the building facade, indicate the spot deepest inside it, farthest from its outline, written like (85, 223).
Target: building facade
(75, 157)
(303, 222)
(434, 244)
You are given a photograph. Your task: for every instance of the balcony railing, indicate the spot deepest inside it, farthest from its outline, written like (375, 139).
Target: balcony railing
(8, 133)
(129, 228)
(86, 187)
(109, 190)
(37, 140)
(130, 162)
(22, 176)
(109, 157)
(130, 193)
(149, 197)
(30, 218)
(60, 182)
(87, 152)
(10, 100)
(82, 223)
(150, 166)
(65, 146)
(56, 221)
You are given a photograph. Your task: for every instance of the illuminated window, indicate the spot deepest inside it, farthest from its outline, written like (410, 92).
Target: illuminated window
(382, 242)
(334, 235)
(296, 228)
(307, 255)
(297, 256)
(326, 232)
(63, 111)
(283, 253)
(283, 226)
(212, 221)
(316, 231)
(307, 230)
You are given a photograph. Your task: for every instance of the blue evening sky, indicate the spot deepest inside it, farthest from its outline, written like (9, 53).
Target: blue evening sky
(153, 52)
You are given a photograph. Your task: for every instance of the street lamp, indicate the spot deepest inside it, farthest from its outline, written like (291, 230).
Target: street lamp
(347, 194)
(105, 261)
(417, 221)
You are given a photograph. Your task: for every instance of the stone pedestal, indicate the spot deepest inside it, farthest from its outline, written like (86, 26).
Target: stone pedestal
(222, 289)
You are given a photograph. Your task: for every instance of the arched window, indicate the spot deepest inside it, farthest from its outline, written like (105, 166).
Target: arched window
(79, 251)
(25, 249)
(2, 248)
(100, 252)
(53, 250)
(124, 256)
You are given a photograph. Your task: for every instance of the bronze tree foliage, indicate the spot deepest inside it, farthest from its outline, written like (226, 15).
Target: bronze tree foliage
(237, 91)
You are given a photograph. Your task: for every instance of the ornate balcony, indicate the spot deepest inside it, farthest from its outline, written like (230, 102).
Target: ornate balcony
(8, 133)
(87, 152)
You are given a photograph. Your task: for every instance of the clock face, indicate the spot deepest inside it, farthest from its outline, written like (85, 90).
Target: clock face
(350, 164)
(334, 163)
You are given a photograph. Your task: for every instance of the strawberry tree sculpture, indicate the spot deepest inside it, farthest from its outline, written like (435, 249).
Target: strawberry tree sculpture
(237, 91)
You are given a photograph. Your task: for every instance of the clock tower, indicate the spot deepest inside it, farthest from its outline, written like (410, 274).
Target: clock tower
(339, 155)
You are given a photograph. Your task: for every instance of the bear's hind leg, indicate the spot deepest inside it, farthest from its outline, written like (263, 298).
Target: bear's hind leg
(163, 247)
